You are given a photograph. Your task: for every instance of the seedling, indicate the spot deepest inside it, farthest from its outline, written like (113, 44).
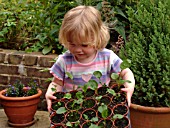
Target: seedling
(117, 77)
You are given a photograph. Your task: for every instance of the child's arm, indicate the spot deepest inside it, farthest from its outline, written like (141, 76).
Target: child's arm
(57, 84)
(127, 74)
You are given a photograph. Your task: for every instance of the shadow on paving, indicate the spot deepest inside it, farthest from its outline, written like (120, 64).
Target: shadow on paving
(41, 120)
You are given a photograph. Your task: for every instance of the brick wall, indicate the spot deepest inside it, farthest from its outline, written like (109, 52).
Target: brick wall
(25, 66)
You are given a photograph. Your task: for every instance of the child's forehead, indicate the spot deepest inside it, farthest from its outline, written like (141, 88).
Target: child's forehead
(78, 38)
(79, 41)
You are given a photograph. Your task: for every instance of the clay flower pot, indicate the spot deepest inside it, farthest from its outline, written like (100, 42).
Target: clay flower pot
(102, 90)
(73, 116)
(120, 109)
(150, 117)
(56, 105)
(59, 95)
(89, 103)
(57, 118)
(89, 93)
(20, 110)
(105, 123)
(88, 114)
(122, 123)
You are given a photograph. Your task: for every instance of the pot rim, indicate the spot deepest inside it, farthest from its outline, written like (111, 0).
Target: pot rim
(150, 109)
(2, 97)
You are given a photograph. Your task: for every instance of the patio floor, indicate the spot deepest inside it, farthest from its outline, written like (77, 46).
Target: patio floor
(41, 120)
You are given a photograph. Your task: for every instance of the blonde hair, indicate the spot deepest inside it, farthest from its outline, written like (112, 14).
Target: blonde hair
(83, 25)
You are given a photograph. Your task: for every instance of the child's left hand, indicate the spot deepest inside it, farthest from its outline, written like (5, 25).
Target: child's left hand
(127, 74)
(129, 91)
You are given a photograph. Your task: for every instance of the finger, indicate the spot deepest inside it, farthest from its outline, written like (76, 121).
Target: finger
(49, 105)
(128, 95)
(128, 99)
(52, 97)
(124, 89)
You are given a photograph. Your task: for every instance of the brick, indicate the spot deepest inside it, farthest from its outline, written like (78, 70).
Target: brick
(25, 80)
(4, 79)
(30, 60)
(8, 69)
(2, 57)
(46, 61)
(35, 72)
(44, 83)
(2, 87)
(15, 58)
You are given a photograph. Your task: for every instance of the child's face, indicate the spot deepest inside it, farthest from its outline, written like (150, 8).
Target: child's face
(83, 53)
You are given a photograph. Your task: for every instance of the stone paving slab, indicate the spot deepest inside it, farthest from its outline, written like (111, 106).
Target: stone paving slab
(41, 120)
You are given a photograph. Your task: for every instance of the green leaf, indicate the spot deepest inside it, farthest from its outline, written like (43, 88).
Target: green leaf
(53, 89)
(119, 11)
(46, 49)
(69, 124)
(121, 31)
(125, 64)
(67, 96)
(61, 110)
(94, 119)
(102, 108)
(94, 126)
(93, 84)
(69, 75)
(114, 76)
(85, 87)
(117, 116)
(111, 91)
(79, 95)
(97, 74)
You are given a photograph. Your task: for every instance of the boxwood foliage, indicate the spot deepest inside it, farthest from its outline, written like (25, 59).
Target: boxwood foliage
(149, 50)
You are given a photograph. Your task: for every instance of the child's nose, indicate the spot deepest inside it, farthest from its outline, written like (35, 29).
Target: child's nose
(78, 49)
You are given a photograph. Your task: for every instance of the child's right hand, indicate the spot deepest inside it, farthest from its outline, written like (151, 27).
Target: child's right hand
(49, 96)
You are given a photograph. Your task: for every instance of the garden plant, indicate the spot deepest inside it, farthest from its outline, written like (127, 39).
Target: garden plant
(20, 102)
(87, 112)
(148, 48)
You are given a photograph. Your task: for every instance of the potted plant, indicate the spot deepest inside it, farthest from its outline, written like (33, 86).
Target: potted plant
(20, 103)
(148, 48)
(91, 104)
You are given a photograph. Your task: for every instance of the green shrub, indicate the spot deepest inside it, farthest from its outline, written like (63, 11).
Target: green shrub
(149, 50)
(32, 25)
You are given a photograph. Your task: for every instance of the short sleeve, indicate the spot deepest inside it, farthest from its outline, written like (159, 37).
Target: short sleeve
(115, 62)
(58, 69)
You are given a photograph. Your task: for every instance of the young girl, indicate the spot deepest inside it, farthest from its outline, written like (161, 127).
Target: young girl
(85, 36)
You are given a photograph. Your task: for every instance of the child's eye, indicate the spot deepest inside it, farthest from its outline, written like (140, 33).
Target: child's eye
(72, 44)
(84, 45)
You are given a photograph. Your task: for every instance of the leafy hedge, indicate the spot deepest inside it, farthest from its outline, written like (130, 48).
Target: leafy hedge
(149, 50)
(33, 25)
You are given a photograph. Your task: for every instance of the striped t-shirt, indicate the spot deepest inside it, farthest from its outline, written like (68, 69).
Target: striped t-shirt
(106, 61)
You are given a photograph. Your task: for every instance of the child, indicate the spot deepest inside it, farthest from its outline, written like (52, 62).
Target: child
(85, 36)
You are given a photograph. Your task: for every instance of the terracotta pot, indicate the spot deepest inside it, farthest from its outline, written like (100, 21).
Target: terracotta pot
(149, 117)
(57, 126)
(56, 105)
(57, 118)
(110, 113)
(102, 90)
(89, 103)
(107, 123)
(73, 116)
(89, 93)
(71, 105)
(88, 114)
(59, 95)
(123, 123)
(120, 109)
(20, 110)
